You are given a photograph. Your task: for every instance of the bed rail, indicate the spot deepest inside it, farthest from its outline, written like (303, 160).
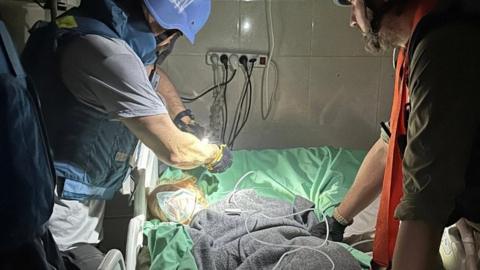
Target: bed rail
(145, 176)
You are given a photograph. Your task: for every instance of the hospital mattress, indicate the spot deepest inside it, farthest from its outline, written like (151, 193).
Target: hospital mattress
(323, 175)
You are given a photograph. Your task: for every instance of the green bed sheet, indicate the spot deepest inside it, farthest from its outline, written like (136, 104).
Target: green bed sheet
(322, 175)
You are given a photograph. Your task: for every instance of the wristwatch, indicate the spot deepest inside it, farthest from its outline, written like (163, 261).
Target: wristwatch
(178, 118)
(340, 219)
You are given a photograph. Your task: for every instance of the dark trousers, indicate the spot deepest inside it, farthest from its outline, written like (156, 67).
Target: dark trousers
(82, 257)
(41, 253)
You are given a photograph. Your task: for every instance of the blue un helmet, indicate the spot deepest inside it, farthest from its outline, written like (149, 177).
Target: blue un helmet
(188, 16)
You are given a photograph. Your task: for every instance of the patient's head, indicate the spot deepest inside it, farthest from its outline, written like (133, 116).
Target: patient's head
(176, 202)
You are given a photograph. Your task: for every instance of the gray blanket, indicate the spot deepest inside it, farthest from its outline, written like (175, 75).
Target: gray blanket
(221, 240)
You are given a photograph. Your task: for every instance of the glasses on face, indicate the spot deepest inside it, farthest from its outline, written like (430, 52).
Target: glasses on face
(167, 34)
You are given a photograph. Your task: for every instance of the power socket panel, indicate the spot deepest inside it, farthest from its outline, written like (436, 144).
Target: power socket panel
(260, 58)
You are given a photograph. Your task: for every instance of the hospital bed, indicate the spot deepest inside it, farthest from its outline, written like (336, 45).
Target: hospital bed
(145, 177)
(326, 174)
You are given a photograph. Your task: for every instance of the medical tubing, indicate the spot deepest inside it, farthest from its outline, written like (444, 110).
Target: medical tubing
(361, 242)
(235, 189)
(191, 99)
(297, 247)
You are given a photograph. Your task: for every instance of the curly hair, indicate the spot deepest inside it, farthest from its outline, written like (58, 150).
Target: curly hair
(188, 183)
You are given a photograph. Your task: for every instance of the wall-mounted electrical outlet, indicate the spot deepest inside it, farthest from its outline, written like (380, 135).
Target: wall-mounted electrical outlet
(213, 57)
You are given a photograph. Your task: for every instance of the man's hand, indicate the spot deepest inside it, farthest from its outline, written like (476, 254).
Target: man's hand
(172, 146)
(335, 229)
(222, 161)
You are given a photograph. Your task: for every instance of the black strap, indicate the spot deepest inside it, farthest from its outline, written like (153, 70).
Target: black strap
(178, 119)
(385, 129)
(166, 34)
(161, 56)
(153, 77)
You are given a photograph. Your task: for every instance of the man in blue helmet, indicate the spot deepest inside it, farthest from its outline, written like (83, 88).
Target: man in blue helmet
(96, 71)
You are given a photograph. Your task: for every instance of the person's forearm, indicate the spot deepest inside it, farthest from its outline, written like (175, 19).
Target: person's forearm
(417, 246)
(169, 93)
(368, 182)
(172, 146)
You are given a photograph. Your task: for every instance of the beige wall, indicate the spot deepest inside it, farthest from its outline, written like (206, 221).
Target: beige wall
(330, 91)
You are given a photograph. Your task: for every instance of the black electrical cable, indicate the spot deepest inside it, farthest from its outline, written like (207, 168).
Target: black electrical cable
(192, 99)
(243, 109)
(250, 96)
(247, 112)
(239, 107)
(238, 114)
(224, 61)
(225, 106)
(220, 96)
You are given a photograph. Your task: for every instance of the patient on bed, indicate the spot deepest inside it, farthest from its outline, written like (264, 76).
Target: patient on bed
(260, 220)
(176, 202)
(266, 233)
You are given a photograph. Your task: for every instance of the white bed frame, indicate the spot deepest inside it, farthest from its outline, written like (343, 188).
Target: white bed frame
(145, 176)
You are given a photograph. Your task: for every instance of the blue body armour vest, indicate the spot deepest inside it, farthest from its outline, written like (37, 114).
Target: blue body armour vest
(91, 151)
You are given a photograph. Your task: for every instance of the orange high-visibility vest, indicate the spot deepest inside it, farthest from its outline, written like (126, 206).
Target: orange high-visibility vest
(392, 191)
